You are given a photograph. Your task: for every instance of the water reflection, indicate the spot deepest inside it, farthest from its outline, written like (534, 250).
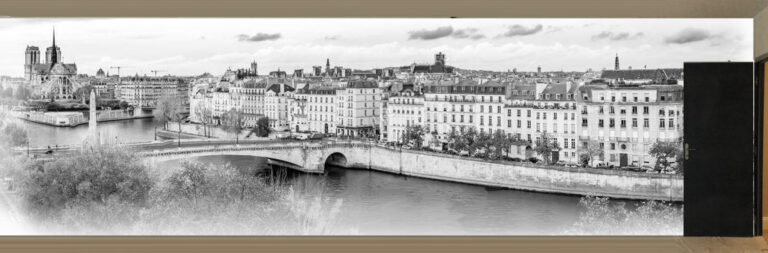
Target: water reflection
(378, 203)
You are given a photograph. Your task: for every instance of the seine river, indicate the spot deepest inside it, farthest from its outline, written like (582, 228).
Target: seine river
(376, 203)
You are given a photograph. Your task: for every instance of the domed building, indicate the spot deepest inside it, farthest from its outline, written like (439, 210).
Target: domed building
(100, 73)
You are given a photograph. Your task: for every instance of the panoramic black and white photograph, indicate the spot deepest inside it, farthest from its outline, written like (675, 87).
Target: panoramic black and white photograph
(349, 126)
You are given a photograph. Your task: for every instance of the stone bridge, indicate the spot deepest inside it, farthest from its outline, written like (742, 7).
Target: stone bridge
(311, 157)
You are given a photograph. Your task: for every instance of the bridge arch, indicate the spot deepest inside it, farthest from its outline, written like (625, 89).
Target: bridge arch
(336, 159)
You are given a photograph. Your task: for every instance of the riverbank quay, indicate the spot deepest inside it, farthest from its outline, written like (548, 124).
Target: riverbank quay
(73, 119)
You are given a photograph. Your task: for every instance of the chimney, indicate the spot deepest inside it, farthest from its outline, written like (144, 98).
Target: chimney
(282, 87)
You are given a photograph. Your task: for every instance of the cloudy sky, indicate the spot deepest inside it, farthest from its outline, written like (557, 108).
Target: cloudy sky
(193, 46)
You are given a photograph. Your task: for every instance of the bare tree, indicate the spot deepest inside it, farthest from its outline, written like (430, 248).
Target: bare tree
(205, 114)
(168, 109)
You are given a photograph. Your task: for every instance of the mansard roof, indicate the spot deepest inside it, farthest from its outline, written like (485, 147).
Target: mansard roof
(276, 88)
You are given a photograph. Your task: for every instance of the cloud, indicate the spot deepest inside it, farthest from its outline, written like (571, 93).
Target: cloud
(467, 33)
(616, 36)
(424, 34)
(445, 31)
(258, 37)
(689, 35)
(332, 37)
(518, 30)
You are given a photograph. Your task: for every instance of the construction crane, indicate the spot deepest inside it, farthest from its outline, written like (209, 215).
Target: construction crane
(118, 69)
(155, 71)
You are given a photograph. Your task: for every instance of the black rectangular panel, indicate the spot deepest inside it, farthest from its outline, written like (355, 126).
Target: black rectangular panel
(720, 170)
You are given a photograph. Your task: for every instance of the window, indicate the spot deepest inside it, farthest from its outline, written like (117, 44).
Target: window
(481, 108)
(613, 146)
(634, 109)
(600, 123)
(624, 99)
(519, 123)
(646, 110)
(613, 98)
(661, 112)
(545, 115)
(538, 127)
(481, 120)
(584, 122)
(573, 143)
(671, 123)
(662, 98)
(623, 111)
(518, 112)
(554, 116)
(509, 113)
(623, 123)
(661, 123)
(634, 122)
(611, 110)
(509, 123)
(612, 123)
(529, 127)
(646, 123)
(601, 110)
(470, 118)
(529, 113)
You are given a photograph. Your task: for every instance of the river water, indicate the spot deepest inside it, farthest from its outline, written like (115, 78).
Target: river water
(376, 203)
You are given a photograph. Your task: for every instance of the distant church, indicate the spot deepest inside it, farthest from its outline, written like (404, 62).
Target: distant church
(51, 79)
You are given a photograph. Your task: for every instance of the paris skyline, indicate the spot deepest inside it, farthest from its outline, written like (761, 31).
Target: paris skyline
(193, 46)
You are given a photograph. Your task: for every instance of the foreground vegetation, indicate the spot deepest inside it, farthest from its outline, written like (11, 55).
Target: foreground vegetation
(109, 191)
(602, 217)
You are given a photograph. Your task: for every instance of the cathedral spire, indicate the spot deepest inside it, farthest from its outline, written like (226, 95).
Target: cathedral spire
(54, 51)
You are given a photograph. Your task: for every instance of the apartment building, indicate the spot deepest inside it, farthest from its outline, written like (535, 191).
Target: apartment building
(358, 108)
(626, 120)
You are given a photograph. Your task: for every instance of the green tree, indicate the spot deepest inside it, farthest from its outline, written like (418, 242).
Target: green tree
(469, 140)
(93, 176)
(591, 151)
(664, 151)
(15, 134)
(433, 140)
(544, 147)
(22, 93)
(234, 122)
(501, 143)
(262, 127)
(414, 134)
(8, 92)
(190, 182)
(482, 145)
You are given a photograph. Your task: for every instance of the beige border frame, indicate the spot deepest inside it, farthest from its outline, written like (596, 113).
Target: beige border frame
(385, 8)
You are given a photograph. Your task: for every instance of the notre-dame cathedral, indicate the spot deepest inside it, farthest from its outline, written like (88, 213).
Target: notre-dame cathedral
(51, 79)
